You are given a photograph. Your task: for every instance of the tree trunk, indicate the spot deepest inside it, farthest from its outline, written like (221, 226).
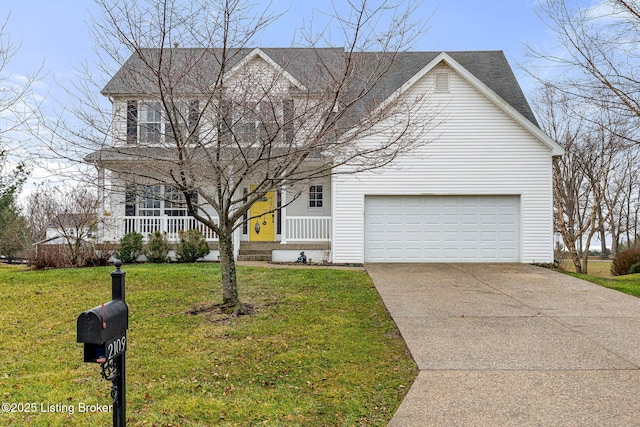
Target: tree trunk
(575, 257)
(585, 254)
(230, 299)
(615, 237)
(603, 244)
(570, 244)
(228, 270)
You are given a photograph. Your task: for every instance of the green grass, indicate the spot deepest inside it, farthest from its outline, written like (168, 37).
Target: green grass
(320, 351)
(629, 283)
(599, 272)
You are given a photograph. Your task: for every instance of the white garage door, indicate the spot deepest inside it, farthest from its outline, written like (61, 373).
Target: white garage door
(441, 228)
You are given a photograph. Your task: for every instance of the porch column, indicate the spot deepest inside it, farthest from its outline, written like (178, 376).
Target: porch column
(283, 216)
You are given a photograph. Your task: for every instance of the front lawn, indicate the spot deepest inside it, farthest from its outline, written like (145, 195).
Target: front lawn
(320, 351)
(629, 283)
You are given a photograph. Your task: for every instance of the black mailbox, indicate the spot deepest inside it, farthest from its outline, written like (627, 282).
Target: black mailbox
(103, 331)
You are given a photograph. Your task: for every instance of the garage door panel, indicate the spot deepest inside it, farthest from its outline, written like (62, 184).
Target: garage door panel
(413, 219)
(450, 219)
(470, 237)
(414, 236)
(488, 237)
(376, 219)
(432, 219)
(441, 228)
(432, 236)
(451, 254)
(488, 253)
(470, 219)
(487, 219)
(469, 253)
(507, 236)
(507, 219)
(450, 236)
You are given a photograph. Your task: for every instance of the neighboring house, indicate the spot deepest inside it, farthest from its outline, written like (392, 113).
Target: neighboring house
(480, 191)
(67, 227)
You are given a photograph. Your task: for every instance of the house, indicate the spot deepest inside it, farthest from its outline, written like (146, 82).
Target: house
(479, 191)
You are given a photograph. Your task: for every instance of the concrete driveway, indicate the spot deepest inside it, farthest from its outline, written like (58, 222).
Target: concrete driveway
(513, 345)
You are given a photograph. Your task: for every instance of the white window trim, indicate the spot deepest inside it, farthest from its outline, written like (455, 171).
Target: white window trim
(315, 200)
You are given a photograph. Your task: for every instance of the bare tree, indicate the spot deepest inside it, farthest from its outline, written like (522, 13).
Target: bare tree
(598, 60)
(589, 179)
(601, 161)
(569, 191)
(222, 116)
(69, 214)
(624, 218)
(597, 52)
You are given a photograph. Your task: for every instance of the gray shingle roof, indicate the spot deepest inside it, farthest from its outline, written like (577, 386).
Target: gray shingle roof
(313, 68)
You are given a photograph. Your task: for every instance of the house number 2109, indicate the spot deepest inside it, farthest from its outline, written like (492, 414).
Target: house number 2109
(116, 347)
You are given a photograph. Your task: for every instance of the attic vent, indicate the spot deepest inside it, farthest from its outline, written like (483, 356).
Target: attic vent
(442, 82)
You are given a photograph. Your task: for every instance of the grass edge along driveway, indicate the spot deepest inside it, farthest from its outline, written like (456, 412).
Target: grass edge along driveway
(320, 351)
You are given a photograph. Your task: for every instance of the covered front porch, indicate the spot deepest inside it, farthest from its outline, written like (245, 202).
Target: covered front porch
(286, 216)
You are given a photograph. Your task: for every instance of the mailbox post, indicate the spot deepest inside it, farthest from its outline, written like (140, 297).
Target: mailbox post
(103, 331)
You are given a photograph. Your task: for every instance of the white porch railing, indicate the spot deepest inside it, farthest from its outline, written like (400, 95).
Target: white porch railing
(308, 228)
(171, 225)
(297, 229)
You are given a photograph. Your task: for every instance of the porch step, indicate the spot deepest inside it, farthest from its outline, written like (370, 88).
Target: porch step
(256, 251)
(254, 257)
(261, 251)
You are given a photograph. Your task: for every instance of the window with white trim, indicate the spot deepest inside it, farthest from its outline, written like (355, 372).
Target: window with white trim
(150, 198)
(147, 123)
(155, 200)
(262, 122)
(151, 123)
(315, 196)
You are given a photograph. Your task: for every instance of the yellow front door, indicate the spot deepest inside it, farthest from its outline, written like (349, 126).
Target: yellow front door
(262, 224)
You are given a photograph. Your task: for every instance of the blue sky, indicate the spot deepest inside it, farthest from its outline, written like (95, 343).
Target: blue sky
(55, 34)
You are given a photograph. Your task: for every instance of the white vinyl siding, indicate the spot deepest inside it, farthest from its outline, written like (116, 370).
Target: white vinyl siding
(478, 149)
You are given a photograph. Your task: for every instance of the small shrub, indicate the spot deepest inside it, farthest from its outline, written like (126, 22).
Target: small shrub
(49, 256)
(130, 247)
(624, 261)
(192, 246)
(99, 255)
(635, 268)
(157, 249)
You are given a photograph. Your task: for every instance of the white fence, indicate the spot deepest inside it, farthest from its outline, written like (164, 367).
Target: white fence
(171, 225)
(308, 229)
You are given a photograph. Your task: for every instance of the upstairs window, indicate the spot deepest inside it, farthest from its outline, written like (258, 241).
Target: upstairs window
(151, 123)
(262, 122)
(147, 123)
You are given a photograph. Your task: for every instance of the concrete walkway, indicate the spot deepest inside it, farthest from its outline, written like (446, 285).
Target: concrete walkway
(513, 345)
